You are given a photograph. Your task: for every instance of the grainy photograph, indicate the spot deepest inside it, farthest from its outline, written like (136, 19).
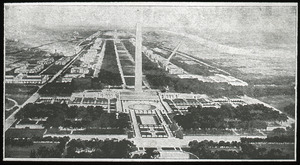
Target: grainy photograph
(150, 81)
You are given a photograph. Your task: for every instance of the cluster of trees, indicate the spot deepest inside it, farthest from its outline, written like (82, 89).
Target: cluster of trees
(290, 110)
(259, 91)
(50, 152)
(62, 115)
(150, 153)
(243, 116)
(247, 151)
(101, 149)
(45, 152)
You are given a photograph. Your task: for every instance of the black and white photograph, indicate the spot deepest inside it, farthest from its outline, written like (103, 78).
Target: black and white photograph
(150, 81)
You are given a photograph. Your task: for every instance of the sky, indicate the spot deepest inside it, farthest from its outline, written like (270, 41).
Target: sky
(207, 17)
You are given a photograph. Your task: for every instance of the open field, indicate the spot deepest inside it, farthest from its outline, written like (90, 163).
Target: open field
(24, 152)
(53, 69)
(21, 133)
(19, 92)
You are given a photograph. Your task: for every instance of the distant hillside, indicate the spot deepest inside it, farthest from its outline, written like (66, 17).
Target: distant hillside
(61, 40)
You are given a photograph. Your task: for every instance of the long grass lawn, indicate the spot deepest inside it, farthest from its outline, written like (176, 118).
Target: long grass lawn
(24, 152)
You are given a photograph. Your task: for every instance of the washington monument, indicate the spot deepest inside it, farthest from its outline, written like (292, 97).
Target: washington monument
(138, 55)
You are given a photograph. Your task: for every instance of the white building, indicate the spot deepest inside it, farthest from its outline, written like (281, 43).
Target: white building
(26, 79)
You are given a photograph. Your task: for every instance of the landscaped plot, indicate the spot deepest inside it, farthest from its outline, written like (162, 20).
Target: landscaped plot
(180, 102)
(19, 92)
(23, 133)
(53, 69)
(9, 104)
(147, 119)
(128, 70)
(77, 100)
(192, 102)
(129, 81)
(101, 101)
(27, 121)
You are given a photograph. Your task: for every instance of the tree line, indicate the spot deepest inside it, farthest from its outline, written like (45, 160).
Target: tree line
(203, 150)
(62, 115)
(243, 116)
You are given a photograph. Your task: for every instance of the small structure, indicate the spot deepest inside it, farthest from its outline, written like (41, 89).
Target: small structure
(46, 61)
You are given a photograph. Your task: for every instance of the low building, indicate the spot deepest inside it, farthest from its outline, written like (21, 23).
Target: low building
(26, 79)
(31, 68)
(34, 68)
(80, 70)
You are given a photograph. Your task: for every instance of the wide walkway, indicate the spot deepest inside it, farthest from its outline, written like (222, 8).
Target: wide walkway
(135, 124)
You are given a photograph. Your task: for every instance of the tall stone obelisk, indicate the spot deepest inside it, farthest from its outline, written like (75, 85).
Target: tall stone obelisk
(138, 55)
